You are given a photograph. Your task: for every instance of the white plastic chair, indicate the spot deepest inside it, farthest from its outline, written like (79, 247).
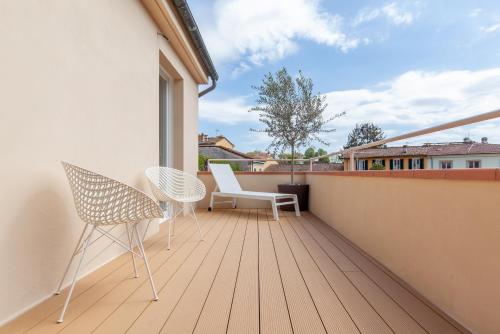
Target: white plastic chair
(227, 186)
(178, 188)
(103, 202)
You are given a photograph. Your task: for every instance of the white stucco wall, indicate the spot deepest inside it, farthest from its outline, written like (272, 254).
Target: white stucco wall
(78, 82)
(459, 161)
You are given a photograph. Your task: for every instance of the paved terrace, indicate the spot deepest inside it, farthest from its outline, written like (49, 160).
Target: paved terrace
(250, 275)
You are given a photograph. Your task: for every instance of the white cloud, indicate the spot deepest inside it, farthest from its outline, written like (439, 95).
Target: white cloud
(475, 12)
(491, 28)
(409, 102)
(226, 111)
(392, 12)
(416, 100)
(258, 31)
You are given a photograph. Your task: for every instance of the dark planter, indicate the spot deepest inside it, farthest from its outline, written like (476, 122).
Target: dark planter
(302, 192)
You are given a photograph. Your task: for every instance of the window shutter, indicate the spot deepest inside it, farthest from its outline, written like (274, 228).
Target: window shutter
(391, 164)
(401, 164)
(365, 165)
(410, 163)
(421, 163)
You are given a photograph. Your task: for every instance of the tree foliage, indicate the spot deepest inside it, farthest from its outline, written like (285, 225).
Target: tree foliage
(311, 153)
(291, 113)
(364, 133)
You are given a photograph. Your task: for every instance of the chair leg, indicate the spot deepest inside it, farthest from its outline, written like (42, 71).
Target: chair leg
(70, 292)
(131, 245)
(169, 232)
(145, 259)
(275, 209)
(296, 204)
(196, 220)
(58, 291)
(234, 203)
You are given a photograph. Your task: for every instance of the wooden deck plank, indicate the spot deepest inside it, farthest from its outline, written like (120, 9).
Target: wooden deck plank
(50, 307)
(153, 318)
(184, 316)
(250, 275)
(123, 317)
(81, 303)
(362, 313)
(244, 315)
(303, 313)
(274, 315)
(333, 314)
(99, 311)
(214, 316)
(394, 315)
(430, 320)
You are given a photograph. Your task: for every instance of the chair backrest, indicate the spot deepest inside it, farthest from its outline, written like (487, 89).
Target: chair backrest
(173, 184)
(225, 178)
(104, 201)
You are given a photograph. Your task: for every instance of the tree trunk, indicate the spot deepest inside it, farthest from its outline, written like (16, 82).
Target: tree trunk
(293, 165)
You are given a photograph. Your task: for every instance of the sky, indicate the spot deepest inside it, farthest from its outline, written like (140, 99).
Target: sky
(403, 65)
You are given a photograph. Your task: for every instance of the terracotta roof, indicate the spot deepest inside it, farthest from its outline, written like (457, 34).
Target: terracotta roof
(212, 141)
(317, 167)
(241, 154)
(430, 150)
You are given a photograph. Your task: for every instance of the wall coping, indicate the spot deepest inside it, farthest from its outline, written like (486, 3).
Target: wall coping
(479, 174)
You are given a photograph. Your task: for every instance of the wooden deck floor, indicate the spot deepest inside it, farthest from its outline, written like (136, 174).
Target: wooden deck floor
(250, 275)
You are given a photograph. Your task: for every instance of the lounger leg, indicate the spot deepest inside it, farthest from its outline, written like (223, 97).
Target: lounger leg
(211, 207)
(234, 203)
(131, 243)
(196, 220)
(145, 259)
(77, 247)
(275, 209)
(70, 292)
(296, 204)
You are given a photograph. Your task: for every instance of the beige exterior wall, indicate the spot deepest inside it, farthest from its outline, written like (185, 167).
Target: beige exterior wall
(440, 236)
(79, 82)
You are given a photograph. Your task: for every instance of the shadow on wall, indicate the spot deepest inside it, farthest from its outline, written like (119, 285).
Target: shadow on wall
(38, 239)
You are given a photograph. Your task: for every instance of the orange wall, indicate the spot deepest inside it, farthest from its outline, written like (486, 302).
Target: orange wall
(440, 236)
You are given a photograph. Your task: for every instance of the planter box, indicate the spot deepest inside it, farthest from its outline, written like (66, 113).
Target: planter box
(302, 192)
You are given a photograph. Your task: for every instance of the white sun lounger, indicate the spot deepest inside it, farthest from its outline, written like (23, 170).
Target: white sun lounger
(228, 186)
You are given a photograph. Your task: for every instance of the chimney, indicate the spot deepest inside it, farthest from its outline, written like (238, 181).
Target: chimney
(467, 140)
(484, 140)
(202, 138)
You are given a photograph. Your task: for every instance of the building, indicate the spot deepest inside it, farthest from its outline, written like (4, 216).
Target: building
(466, 154)
(112, 86)
(220, 147)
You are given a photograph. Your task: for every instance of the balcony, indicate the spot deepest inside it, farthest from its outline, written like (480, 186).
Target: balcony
(250, 274)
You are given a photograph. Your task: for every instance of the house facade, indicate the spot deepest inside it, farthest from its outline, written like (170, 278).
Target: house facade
(466, 154)
(112, 86)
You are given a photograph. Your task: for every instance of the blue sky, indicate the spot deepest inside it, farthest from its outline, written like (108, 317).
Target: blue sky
(404, 65)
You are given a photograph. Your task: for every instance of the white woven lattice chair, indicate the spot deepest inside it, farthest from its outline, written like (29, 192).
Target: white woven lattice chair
(103, 202)
(179, 188)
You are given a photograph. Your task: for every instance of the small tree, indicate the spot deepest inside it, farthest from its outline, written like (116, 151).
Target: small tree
(320, 153)
(309, 153)
(292, 115)
(364, 133)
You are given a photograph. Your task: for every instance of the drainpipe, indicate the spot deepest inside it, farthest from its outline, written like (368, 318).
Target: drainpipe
(209, 89)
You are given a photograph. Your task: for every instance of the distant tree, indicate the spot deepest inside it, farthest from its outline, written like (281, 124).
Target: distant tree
(320, 153)
(256, 153)
(291, 113)
(202, 162)
(309, 153)
(364, 133)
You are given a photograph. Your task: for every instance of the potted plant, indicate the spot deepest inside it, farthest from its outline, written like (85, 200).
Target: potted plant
(293, 118)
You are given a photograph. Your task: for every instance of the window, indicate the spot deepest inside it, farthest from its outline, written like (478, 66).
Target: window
(473, 163)
(397, 164)
(362, 165)
(417, 163)
(166, 120)
(445, 164)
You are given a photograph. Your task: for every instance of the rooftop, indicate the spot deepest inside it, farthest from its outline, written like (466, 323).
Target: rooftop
(447, 149)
